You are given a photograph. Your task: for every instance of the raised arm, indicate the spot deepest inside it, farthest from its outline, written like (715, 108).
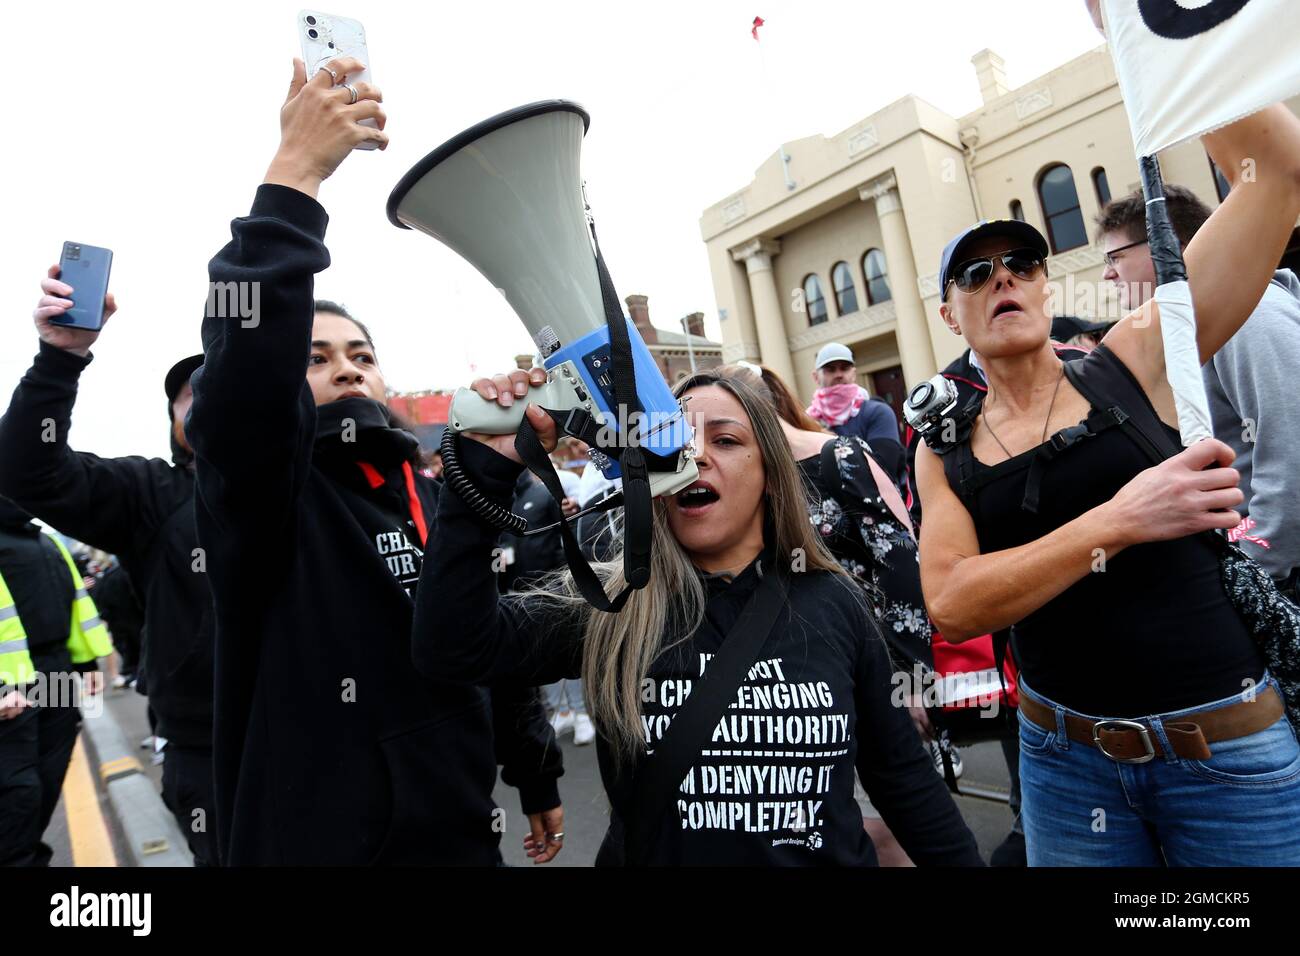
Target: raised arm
(1233, 256)
(108, 503)
(969, 593)
(253, 420)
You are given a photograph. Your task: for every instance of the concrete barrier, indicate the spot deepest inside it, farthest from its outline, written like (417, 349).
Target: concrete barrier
(152, 836)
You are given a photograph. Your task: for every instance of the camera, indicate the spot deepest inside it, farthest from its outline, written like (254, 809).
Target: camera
(929, 403)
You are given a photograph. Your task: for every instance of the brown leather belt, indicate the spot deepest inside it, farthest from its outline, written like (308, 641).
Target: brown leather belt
(1133, 741)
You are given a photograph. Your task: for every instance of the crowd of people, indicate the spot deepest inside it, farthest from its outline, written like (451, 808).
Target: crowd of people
(342, 655)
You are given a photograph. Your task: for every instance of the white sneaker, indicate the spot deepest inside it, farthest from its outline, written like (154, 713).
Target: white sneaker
(562, 721)
(583, 731)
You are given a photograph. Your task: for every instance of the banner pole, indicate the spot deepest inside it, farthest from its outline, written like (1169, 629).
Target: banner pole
(1166, 252)
(1173, 298)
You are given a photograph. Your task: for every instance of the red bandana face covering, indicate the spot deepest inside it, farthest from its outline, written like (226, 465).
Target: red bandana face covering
(836, 404)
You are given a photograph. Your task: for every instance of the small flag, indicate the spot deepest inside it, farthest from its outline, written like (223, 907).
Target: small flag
(758, 22)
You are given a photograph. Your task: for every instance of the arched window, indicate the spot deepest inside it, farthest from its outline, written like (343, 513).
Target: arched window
(873, 267)
(813, 300)
(1220, 181)
(846, 295)
(1101, 185)
(1060, 201)
(1017, 210)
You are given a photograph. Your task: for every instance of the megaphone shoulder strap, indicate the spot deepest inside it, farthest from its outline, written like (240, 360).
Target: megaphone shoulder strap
(535, 458)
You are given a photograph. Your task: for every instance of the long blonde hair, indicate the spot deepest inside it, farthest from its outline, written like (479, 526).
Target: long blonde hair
(619, 649)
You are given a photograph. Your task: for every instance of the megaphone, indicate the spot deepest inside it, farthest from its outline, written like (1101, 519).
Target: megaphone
(507, 195)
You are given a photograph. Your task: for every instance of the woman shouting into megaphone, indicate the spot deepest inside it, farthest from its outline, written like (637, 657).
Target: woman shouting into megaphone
(738, 693)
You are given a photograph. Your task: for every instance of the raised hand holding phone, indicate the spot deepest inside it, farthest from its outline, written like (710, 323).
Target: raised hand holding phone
(54, 303)
(319, 124)
(327, 37)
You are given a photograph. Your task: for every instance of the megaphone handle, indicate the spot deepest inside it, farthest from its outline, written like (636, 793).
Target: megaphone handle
(471, 412)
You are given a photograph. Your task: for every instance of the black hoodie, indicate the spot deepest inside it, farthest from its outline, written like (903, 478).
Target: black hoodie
(140, 509)
(774, 787)
(330, 747)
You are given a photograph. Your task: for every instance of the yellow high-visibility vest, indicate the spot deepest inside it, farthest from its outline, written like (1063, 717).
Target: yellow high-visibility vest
(87, 636)
(15, 662)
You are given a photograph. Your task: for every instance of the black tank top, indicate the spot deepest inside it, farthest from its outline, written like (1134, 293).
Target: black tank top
(1153, 632)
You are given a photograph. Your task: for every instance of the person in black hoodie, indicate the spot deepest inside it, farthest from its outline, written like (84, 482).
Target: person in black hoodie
(120, 608)
(330, 748)
(142, 510)
(774, 784)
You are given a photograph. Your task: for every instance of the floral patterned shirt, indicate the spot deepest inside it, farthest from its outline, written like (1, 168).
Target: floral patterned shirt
(869, 542)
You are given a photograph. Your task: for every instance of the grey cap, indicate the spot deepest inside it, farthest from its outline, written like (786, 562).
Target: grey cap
(835, 352)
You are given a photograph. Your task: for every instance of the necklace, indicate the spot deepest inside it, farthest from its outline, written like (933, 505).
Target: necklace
(1051, 405)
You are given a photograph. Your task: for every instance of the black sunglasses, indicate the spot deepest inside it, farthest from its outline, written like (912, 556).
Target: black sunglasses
(971, 275)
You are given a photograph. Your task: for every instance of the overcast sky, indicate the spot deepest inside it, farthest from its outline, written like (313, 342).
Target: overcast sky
(146, 128)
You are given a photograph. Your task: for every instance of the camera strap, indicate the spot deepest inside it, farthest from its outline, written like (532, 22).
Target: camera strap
(638, 514)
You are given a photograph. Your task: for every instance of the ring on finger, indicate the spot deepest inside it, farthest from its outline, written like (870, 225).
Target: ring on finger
(555, 837)
(333, 75)
(353, 90)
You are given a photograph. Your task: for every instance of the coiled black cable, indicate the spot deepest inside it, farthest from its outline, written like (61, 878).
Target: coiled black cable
(490, 511)
(455, 477)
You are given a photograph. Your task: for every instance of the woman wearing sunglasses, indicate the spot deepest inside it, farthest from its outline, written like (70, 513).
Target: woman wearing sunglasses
(1150, 732)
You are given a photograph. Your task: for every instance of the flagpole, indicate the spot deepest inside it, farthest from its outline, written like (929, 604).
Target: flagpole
(766, 83)
(1177, 314)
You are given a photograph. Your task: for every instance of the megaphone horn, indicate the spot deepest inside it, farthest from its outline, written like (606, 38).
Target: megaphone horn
(507, 195)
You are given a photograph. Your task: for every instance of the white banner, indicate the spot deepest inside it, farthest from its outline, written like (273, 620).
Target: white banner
(1189, 66)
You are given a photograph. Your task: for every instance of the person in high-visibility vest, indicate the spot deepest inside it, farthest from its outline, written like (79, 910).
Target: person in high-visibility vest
(49, 628)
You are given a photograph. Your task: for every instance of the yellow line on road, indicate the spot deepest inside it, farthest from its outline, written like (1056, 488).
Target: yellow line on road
(87, 832)
(119, 767)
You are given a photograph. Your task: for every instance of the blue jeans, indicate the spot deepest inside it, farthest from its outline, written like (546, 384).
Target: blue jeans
(1239, 808)
(565, 695)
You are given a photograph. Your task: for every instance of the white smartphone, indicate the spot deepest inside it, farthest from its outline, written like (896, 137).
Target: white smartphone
(325, 37)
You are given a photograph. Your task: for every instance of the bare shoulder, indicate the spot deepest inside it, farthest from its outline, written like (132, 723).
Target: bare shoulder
(1136, 341)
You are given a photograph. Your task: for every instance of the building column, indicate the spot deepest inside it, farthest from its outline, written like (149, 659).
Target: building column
(913, 332)
(773, 343)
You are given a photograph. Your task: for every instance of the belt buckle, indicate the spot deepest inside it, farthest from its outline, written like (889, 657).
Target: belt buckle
(1143, 729)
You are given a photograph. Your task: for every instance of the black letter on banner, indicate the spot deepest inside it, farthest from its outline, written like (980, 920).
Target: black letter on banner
(1167, 18)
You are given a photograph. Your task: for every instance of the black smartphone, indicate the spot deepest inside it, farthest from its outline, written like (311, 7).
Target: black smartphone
(86, 269)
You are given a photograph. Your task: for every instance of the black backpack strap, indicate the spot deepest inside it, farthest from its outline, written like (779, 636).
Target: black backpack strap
(1105, 382)
(1097, 422)
(959, 469)
(659, 776)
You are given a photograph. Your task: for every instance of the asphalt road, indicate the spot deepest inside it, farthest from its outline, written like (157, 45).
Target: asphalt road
(585, 807)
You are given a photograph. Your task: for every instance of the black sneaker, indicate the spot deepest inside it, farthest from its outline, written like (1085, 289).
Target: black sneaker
(1010, 852)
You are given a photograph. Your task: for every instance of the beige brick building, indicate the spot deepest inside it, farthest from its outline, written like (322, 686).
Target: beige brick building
(838, 238)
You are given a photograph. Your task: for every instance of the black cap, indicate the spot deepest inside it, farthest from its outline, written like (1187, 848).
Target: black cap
(1066, 327)
(179, 374)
